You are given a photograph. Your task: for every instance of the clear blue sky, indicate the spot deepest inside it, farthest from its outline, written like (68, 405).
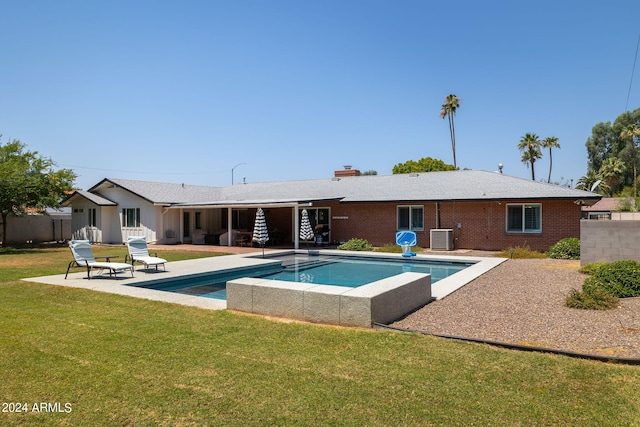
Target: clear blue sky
(182, 91)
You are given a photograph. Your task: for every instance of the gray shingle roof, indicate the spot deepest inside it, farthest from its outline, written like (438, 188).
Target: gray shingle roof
(465, 185)
(161, 192)
(95, 198)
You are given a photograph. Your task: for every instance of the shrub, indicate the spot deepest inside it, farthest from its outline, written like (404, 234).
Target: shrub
(626, 205)
(607, 283)
(620, 278)
(391, 248)
(591, 268)
(520, 252)
(356, 245)
(568, 248)
(591, 298)
(396, 249)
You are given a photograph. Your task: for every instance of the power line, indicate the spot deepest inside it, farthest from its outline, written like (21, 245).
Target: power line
(146, 173)
(626, 107)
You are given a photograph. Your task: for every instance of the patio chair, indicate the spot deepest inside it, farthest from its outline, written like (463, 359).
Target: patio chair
(83, 257)
(138, 252)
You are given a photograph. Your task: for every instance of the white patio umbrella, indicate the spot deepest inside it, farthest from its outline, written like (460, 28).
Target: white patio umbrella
(306, 232)
(260, 233)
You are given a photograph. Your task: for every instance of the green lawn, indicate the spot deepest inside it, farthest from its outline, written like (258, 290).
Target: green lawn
(116, 360)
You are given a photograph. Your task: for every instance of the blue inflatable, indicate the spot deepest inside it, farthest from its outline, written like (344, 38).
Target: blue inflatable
(406, 239)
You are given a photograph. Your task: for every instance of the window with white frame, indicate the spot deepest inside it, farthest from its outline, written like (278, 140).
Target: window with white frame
(410, 218)
(92, 217)
(131, 217)
(524, 218)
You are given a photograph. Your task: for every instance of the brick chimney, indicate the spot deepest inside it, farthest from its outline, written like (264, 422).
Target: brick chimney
(347, 171)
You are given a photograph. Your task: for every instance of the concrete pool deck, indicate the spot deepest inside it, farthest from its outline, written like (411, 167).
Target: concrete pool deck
(124, 284)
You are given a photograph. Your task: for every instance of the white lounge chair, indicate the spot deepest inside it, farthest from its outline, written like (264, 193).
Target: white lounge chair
(83, 257)
(138, 252)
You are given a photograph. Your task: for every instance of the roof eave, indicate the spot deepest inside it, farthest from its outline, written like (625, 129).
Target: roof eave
(115, 184)
(67, 201)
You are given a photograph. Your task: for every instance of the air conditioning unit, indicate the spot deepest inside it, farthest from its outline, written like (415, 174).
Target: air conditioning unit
(441, 239)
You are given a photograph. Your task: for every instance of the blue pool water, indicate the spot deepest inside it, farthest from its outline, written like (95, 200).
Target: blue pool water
(354, 272)
(327, 270)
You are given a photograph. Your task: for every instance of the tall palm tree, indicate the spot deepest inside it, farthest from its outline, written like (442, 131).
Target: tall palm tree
(632, 132)
(530, 147)
(451, 104)
(611, 171)
(550, 142)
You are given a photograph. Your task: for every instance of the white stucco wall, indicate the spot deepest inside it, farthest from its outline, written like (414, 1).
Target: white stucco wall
(80, 228)
(114, 232)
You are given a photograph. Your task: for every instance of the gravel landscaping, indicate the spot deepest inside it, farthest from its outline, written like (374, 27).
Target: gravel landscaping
(522, 302)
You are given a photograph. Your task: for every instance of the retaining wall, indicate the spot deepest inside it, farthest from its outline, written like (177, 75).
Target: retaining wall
(382, 301)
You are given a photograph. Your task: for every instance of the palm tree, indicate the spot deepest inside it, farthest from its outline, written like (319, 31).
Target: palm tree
(588, 181)
(632, 132)
(530, 147)
(611, 171)
(550, 142)
(451, 104)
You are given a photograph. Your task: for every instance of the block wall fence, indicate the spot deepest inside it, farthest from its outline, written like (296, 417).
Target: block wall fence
(37, 229)
(607, 241)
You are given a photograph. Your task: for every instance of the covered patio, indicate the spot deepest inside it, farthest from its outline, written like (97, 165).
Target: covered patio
(230, 224)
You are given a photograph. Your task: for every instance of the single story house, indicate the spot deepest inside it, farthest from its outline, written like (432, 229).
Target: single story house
(468, 209)
(604, 207)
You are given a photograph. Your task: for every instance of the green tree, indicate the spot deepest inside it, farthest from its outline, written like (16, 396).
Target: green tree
(530, 147)
(550, 142)
(611, 172)
(586, 183)
(28, 180)
(606, 142)
(370, 172)
(632, 134)
(449, 108)
(426, 164)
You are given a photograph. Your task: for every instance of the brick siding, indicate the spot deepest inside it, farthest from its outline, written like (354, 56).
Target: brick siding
(476, 225)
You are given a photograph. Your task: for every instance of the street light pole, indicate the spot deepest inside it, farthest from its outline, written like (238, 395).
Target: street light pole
(233, 168)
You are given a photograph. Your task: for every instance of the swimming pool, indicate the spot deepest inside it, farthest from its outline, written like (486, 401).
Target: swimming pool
(357, 271)
(226, 282)
(345, 271)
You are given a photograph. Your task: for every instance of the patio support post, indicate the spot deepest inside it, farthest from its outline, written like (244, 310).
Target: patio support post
(229, 226)
(296, 227)
(181, 228)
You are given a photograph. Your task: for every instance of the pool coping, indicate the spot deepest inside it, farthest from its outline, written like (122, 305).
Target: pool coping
(124, 284)
(442, 287)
